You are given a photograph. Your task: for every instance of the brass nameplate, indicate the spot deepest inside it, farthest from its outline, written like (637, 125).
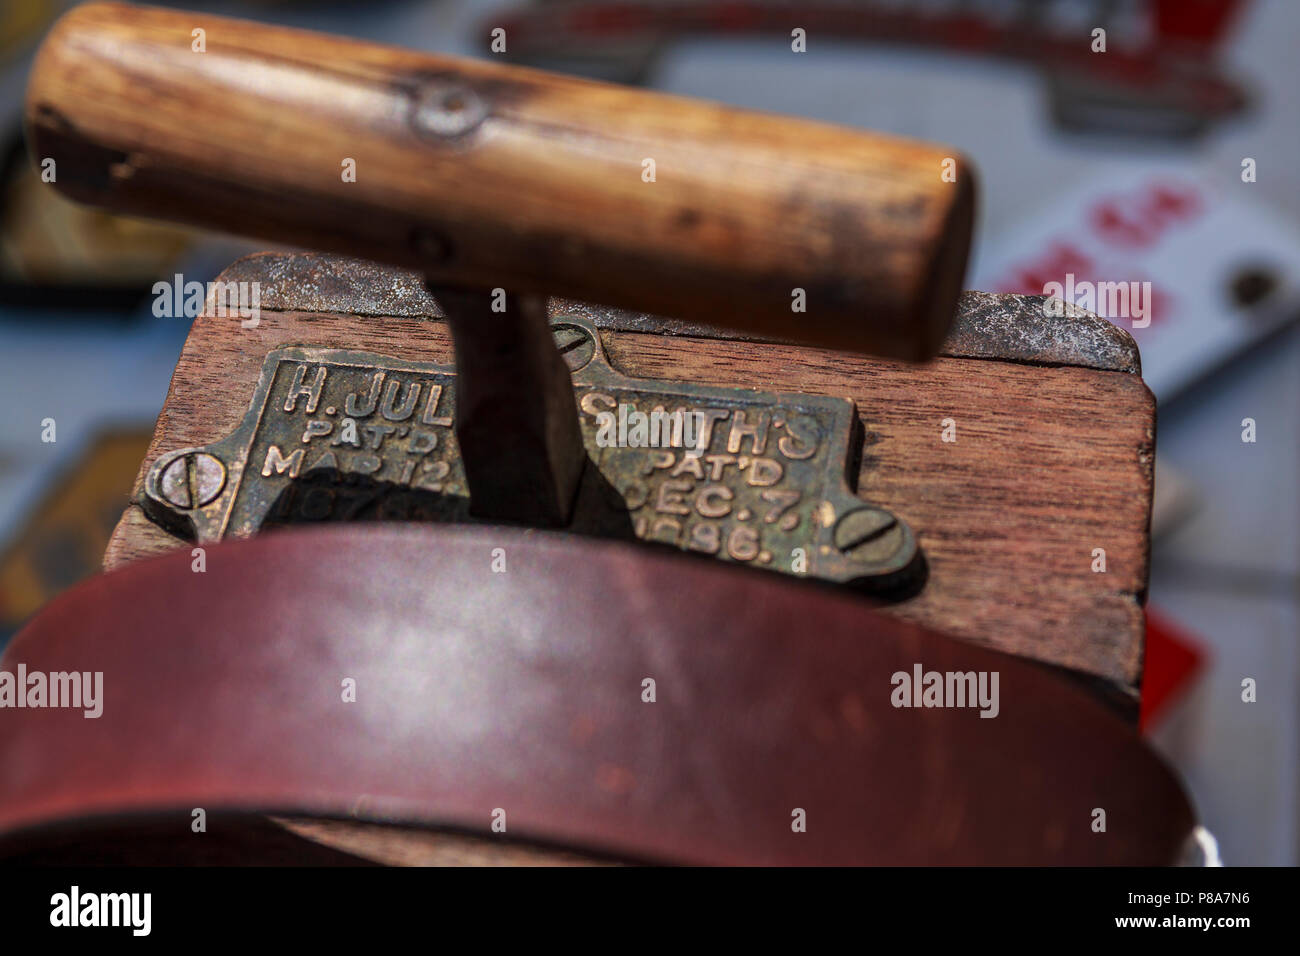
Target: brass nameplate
(335, 435)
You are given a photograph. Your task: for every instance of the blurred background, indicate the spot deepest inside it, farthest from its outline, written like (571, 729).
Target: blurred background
(1173, 157)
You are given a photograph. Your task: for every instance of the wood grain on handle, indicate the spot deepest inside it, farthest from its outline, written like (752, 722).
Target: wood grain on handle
(506, 177)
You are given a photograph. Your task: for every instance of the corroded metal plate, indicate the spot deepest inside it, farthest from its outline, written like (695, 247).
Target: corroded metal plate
(334, 435)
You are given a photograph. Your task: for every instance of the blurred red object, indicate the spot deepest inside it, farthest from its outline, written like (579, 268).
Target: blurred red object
(1174, 658)
(1199, 21)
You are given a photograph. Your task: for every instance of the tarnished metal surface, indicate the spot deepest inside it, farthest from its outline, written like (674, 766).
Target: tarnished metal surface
(329, 435)
(1016, 328)
(767, 484)
(340, 435)
(987, 325)
(317, 282)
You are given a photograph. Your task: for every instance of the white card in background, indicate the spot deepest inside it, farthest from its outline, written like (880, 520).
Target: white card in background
(1206, 251)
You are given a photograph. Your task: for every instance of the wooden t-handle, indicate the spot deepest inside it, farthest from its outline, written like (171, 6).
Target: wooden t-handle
(497, 176)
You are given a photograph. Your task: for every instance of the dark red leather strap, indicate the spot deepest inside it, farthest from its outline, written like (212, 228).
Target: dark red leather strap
(523, 690)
